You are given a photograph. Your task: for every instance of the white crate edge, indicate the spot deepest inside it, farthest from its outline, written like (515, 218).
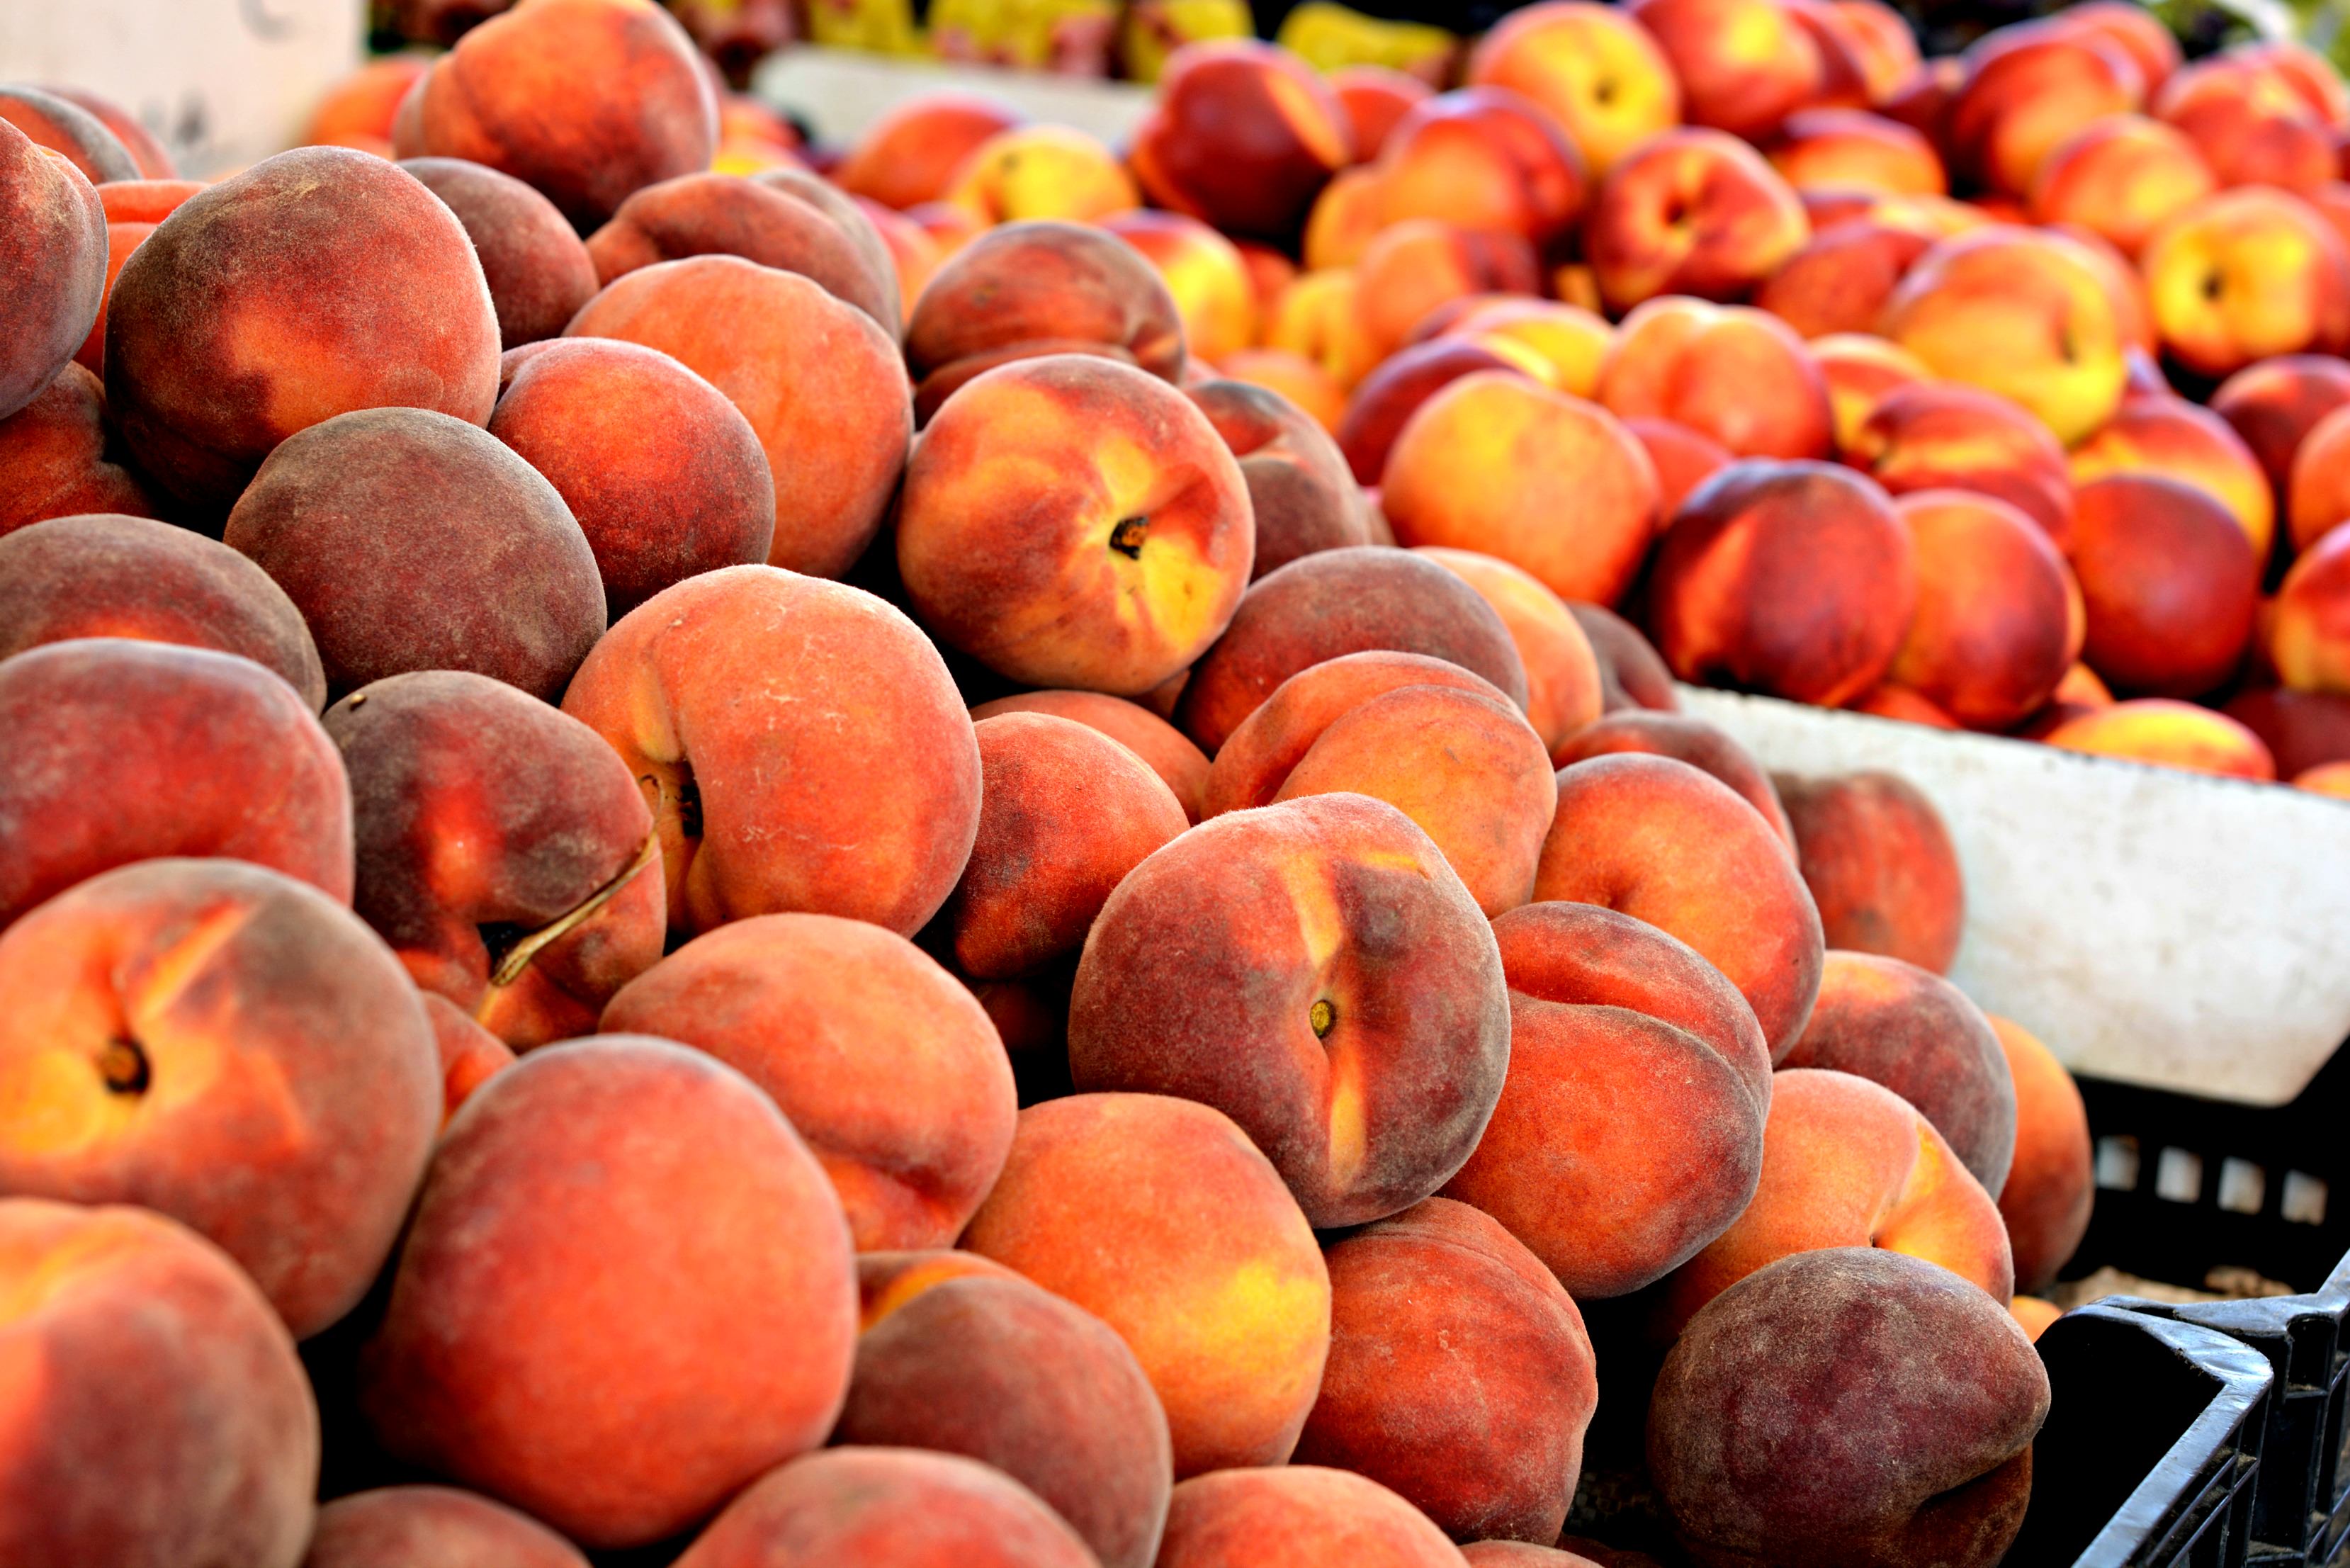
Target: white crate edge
(839, 93)
(2152, 926)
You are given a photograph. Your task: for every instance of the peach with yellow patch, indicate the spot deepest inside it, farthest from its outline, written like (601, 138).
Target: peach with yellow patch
(1861, 370)
(2120, 178)
(2165, 733)
(1731, 372)
(1563, 693)
(2244, 274)
(1042, 172)
(1690, 212)
(1203, 271)
(1594, 70)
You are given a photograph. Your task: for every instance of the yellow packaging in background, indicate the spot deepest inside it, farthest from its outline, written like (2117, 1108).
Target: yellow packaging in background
(1155, 29)
(877, 26)
(1069, 38)
(1330, 36)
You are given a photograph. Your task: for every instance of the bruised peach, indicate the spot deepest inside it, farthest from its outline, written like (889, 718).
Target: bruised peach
(1460, 1374)
(1688, 739)
(1942, 437)
(53, 457)
(2163, 732)
(538, 272)
(1591, 67)
(1690, 212)
(1563, 682)
(910, 154)
(1243, 136)
(728, 215)
(1301, 493)
(1163, 748)
(2169, 581)
(1300, 1516)
(1879, 864)
(2049, 1187)
(1633, 1067)
(1992, 635)
(2172, 438)
(226, 1045)
(407, 1526)
(1736, 374)
(1481, 159)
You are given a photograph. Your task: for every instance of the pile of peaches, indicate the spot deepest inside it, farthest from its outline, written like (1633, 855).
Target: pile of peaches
(735, 856)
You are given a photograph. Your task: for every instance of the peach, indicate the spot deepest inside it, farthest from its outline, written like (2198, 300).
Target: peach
(163, 1417)
(1298, 1516)
(69, 130)
(2046, 1203)
(1861, 370)
(1260, 754)
(1482, 159)
(1688, 739)
(1662, 841)
(53, 265)
(724, 695)
(1840, 281)
(1903, 704)
(133, 208)
(1343, 221)
(1164, 749)
(1992, 635)
(1879, 865)
(1301, 493)
(1243, 136)
(314, 284)
(2171, 437)
(2163, 732)
(2311, 636)
(1632, 674)
(2332, 779)
(1343, 601)
(1316, 318)
(881, 1060)
(2275, 404)
(1375, 97)
(122, 751)
(2301, 729)
(1205, 273)
(910, 153)
(990, 1366)
(1798, 579)
(730, 215)
(53, 460)
(470, 1055)
(664, 475)
(1406, 380)
(2027, 87)
(220, 1043)
(1683, 458)
(538, 272)
(1731, 372)
(2170, 582)
(1460, 1374)
(147, 154)
(1526, 1554)
(1744, 65)
(2250, 126)
(1137, 536)
(2121, 178)
(819, 381)
(1916, 1033)
(409, 1526)
(1416, 264)
(2317, 500)
(1942, 437)
(1563, 684)
(1548, 482)
(1236, 938)
(515, 94)
(1848, 1405)
(358, 108)
(1159, 1217)
(1634, 1065)
(1592, 68)
(1848, 1163)
(2138, 33)
(914, 255)
(1690, 212)
(504, 851)
(709, 1220)
(2244, 274)
(1849, 150)
(472, 559)
(1570, 341)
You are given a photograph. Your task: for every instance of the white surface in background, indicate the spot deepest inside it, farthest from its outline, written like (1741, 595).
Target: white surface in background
(220, 82)
(839, 93)
(2152, 926)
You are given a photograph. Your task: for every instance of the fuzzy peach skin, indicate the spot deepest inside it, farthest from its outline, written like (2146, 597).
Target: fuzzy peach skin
(1992, 631)
(1848, 1163)
(1944, 436)
(881, 1060)
(2310, 639)
(818, 379)
(2174, 439)
(122, 750)
(503, 850)
(110, 576)
(133, 208)
(2121, 178)
(1690, 212)
(2275, 404)
(1243, 136)
(2170, 582)
(1591, 67)
(1298, 1516)
(1483, 159)
(228, 1046)
(909, 154)
(2049, 1186)
(508, 96)
(1563, 684)
(470, 1055)
(1629, 1131)
(2244, 274)
(1551, 483)
(861, 1505)
(1798, 579)
(1736, 374)
(161, 1416)
(726, 696)
(634, 1201)
(1879, 864)
(1164, 749)
(2164, 732)
(1324, 942)
(2027, 88)
(1657, 839)
(665, 477)
(539, 272)
(1848, 1405)
(731, 214)
(1915, 1033)
(1301, 493)
(998, 1370)
(53, 265)
(1159, 1216)
(1065, 812)
(1632, 674)
(1460, 1374)
(1213, 293)
(53, 460)
(1840, 280)
(1342, 601)
(1133, 539)
(413, 1526)
(1692, 740)
(314, 283)
(1406, 380)
(1744, 65)
(410, 540)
